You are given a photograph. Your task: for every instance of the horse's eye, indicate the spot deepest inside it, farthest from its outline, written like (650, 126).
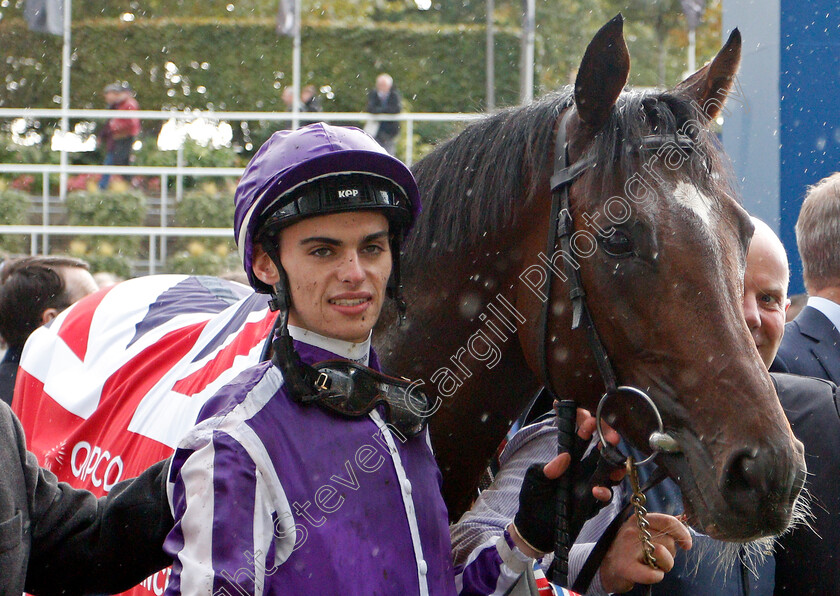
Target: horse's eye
(617, 244)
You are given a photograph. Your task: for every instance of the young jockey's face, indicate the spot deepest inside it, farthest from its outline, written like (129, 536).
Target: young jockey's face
(338, 267)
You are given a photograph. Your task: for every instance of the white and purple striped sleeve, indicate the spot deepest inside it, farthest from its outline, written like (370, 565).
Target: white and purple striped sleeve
(487, 561)
(223, 531)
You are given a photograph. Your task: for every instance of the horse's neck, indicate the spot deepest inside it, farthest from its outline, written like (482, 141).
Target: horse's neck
(459, 342)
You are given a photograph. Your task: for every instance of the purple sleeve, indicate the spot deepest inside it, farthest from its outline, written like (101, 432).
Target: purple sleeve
(219, 509)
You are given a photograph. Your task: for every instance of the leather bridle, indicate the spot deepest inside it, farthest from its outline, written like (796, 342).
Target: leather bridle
(561, 227)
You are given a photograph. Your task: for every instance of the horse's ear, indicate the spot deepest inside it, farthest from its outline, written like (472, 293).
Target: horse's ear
(602, 74)
(708, 87)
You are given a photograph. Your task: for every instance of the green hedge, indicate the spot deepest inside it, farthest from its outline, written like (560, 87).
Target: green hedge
(243, 65)
(206, 207)
(14, 211)
(107, 208)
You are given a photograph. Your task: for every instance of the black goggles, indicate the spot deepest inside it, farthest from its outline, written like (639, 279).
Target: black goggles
(354, 390)
(340, 193)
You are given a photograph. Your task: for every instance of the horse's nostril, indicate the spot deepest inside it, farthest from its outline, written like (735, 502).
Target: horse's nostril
(746, 476)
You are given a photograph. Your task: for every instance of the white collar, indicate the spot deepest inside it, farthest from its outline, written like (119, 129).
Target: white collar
(827, 307)
(357, 352)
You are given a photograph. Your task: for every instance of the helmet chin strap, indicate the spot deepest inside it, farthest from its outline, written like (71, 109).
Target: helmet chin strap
(279, 343)
(394, 288)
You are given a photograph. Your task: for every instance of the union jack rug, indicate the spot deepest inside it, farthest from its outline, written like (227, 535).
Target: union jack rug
(111, 385)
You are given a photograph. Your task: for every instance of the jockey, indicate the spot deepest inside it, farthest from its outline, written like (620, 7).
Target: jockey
(312, 472)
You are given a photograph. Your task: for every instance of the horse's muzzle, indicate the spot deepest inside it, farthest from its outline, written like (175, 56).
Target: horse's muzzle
(752, 495)
(763, 484)
(763, 480)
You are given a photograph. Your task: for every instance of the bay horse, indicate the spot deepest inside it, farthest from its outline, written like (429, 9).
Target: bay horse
(659, 242)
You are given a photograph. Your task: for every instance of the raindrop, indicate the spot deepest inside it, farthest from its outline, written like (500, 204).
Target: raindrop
(127, 17)
(229, 8)
(204, 66)
(469, 305)
(201, 89)
(561, 354)
(485, 417)
(821, 141)
(170, 67)
(170, 93)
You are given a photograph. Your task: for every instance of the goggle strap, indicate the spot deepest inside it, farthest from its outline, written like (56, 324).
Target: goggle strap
(298, 377)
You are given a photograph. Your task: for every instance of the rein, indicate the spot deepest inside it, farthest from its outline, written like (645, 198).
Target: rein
(561, 226)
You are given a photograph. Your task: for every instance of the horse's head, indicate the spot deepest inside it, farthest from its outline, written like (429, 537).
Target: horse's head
(660, 241)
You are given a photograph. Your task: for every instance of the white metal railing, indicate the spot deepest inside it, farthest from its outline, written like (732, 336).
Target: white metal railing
(151, 233)
(47, 229)
(407, 117)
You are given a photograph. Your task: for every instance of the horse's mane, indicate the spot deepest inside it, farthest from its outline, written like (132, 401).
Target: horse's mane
(478, 181)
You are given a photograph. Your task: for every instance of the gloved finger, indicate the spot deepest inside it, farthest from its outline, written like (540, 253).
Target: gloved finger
(585, 424)
(618, 475)
(611, 436)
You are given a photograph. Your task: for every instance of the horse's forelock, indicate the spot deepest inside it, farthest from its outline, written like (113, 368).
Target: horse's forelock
(498, 161)
(642, 113)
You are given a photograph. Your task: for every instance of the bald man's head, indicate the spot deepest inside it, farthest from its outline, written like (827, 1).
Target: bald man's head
(384, 82)
(765, 290)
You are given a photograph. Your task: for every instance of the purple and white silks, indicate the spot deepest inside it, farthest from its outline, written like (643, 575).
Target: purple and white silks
(271, 497)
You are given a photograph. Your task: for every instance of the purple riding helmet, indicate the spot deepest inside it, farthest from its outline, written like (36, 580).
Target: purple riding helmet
(317, 170)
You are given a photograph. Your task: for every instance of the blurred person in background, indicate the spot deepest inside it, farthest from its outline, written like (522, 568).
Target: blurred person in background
(811, 345)
(309, 102)
(33, 291)
(384, 99)
(118, 134)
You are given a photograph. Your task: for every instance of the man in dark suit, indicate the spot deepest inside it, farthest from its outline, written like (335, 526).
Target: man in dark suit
(384, 99)
(811, 345)
(55, 539)
(807, 559)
